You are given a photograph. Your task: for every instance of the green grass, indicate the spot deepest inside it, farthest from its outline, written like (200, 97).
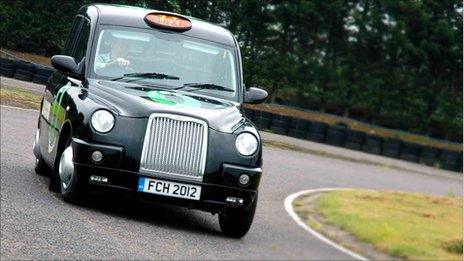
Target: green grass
(405, 225)
(20, 98)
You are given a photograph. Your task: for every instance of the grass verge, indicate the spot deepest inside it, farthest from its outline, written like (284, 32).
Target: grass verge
(406, 225)
(19, 98)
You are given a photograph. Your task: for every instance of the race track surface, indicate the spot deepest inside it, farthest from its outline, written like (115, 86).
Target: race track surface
(36, 223)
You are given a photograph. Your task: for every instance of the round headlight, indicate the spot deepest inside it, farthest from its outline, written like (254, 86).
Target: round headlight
(102, 121)
(246, 143)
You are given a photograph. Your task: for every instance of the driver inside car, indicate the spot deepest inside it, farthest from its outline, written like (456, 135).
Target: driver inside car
(115, 54)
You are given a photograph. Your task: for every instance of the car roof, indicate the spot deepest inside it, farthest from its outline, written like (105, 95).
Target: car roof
(134, 17)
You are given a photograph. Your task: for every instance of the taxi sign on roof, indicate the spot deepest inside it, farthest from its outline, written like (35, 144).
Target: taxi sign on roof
(168, 21)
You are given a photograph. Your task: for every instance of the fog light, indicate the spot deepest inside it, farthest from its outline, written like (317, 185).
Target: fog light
(244, 179)
(98, 179)
(234, 200)
(97, 156)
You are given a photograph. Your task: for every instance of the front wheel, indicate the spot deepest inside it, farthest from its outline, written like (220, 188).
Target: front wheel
(236, 222)
(70, 186)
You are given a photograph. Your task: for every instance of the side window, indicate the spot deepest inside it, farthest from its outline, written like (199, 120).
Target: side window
(82, 41)
(72, 36)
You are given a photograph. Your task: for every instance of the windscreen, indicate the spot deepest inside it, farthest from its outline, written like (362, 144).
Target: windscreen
(184, 59)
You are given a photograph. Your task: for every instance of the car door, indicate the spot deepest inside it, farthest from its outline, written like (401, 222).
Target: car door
(53, 110)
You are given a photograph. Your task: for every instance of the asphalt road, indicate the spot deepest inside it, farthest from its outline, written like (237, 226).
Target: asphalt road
(36, 223)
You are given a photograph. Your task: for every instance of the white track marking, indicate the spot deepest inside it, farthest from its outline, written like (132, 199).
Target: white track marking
(17, 108)
(289, 208)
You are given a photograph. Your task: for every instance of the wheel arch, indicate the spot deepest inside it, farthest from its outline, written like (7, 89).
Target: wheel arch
(66, 134)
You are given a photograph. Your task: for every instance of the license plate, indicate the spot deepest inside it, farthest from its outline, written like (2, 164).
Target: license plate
(168, 188)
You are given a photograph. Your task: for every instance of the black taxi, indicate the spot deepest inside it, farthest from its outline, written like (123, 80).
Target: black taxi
(150, 103)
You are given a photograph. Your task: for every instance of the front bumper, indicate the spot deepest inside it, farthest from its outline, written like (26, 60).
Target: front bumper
(214, 190)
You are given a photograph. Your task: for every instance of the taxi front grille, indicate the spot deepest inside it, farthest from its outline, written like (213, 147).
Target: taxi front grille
(174, 146)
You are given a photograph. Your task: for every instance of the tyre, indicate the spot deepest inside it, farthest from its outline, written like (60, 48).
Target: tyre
(301, 134)
(43, 71)
(298, 124)
(6, 63)
(279, 124)
(262, 119)
(392, 148)
(298, 128)
(336, 135)
(429, 155)
(23, 75)
(39, 79)
(373, 144)
(236, 222)
(410, 152)
(249, 113)
(450, 160)
(7, 72)
(25, 66)
(317, 131)
(40, 167)
(354, 139)
(70, 185)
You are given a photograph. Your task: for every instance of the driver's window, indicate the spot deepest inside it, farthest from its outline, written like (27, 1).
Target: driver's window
(81, 47)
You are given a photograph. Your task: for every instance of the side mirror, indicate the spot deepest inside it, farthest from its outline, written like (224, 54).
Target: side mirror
(255, 95)
(66, 64)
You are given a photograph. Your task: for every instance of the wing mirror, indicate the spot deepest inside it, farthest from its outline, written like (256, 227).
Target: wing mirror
(255, 95)
(67, 64)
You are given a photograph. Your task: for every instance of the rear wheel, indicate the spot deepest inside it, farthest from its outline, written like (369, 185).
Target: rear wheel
(70, 187)
(41, 167)
(236, 222)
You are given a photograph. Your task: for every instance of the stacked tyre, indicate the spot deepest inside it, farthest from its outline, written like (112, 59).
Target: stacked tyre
(41, 74)
(392, 148)
(373, 144)
(354, 139)
(279, 124)
(7, 67)
(336, 135)
(450, 160)
(317, 131)
(429, 155)
(410, 152)
(24, 71)
(298, 128)
(262, 119)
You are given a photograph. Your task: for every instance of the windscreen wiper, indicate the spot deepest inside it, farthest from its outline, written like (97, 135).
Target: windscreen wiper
(209, 86)
(153, 75)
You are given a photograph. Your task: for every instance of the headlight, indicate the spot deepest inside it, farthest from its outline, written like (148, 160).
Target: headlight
(102, 121)
(246, 143)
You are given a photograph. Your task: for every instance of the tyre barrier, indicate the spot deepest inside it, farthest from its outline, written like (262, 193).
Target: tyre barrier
(354, 139)
(410, 152)
(43, 71)
(249, 113)
(298, 128)
(23, 75)
(317, 131)
(25, 71)
(450, 160)
(279, 124)
(373, 144)
(39, 79)
(262, 119)
(7, 72)
(25, 67)
(336, 135)
(392, 148)
(429, 155)
(7, 67)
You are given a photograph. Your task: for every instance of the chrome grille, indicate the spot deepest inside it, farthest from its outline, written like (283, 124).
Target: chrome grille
(174, 145)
